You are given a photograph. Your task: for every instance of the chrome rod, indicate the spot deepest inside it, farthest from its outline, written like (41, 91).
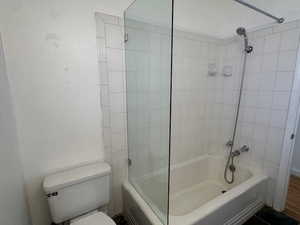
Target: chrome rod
(279, 20)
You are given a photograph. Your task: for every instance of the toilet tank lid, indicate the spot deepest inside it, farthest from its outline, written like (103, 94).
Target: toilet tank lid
(76, 175)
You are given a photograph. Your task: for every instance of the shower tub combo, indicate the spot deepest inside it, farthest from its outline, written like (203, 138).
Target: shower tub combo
(209, 189)
(201, 197)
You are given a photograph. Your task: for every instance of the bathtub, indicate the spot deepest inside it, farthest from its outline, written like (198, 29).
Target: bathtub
(198, 195)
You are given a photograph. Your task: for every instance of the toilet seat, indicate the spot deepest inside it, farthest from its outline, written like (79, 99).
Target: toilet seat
(98, 218)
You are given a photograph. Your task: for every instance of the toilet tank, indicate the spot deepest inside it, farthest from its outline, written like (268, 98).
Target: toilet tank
(76, 191)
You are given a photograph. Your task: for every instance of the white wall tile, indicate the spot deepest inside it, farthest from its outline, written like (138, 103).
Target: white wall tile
(274, 145)
(290, 40)
(119, 174)
(261, 133)
(101, 49)
(112, 86)
(107, 138)
(265, 99)
(117, 102)
(103, 73)
(258, 45)
(281, 100)
(118, 141)
(104, 95)
(262, 116)
(267, 80)
(272, 43)
(115, 59)
(271, 170)
(114, 36)
(278, 118)
(107, 19)
(106, 117)
(118, 122)
(249, 115)
(249, 98)
(116, 82)
(287, 61)
(254, 64)
(269, 62)
(284, 81)
(100, 27)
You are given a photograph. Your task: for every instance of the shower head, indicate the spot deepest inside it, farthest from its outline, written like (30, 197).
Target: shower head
(241, 31)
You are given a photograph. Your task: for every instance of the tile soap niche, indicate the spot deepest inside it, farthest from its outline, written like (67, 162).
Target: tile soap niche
(227, 71)
(212, 69)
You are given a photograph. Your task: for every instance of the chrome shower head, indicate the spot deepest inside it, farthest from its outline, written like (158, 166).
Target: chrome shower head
(241, 31)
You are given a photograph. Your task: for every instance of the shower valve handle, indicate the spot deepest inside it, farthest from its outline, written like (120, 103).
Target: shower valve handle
(237, 152)
(245, 148)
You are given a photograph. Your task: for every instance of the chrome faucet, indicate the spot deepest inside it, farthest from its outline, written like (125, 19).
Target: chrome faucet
(238, 152)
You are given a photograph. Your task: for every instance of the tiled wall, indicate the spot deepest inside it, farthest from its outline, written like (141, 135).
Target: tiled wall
(112, 86)
(265, 102)
(203, 105)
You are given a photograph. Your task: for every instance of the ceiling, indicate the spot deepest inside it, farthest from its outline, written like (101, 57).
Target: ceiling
(220, 18)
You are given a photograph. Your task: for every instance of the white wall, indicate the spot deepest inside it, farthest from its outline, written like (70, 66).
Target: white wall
(13, 208)
(296, 155)
(52, 66)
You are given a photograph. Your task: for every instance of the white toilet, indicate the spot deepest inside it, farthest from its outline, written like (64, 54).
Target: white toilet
(76, 195)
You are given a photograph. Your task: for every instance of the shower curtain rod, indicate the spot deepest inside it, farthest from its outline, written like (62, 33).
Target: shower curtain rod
(279, 20)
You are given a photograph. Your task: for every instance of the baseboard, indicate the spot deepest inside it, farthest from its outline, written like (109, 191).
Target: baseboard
(246, 213)
(295, 172)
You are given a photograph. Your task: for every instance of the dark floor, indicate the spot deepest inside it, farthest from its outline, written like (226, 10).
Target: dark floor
(120, 220)
(266, 216)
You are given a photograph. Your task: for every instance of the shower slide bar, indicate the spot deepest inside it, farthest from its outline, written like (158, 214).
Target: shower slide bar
(279, 20)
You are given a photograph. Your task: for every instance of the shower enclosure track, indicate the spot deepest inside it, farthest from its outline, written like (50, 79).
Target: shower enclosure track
(279, 20)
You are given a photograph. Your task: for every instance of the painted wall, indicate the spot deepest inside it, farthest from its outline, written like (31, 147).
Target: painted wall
(52, 65)
(13, 208)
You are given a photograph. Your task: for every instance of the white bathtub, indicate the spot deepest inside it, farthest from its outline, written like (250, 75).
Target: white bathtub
(196, 196)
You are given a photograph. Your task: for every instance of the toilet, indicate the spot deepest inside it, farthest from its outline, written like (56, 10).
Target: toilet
(78, 194)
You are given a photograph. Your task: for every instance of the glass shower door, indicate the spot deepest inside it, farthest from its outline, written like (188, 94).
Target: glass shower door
(148, 36)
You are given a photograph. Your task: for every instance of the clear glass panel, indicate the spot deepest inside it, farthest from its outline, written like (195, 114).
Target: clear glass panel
(205, 94)
(148, 30)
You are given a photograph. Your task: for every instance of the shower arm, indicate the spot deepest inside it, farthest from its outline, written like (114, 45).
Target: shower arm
(279, 20)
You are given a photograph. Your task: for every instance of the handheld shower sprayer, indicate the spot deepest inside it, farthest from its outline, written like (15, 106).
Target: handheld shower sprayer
(241, 31)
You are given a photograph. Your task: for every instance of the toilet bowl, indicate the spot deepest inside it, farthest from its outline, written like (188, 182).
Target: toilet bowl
(98, 218)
